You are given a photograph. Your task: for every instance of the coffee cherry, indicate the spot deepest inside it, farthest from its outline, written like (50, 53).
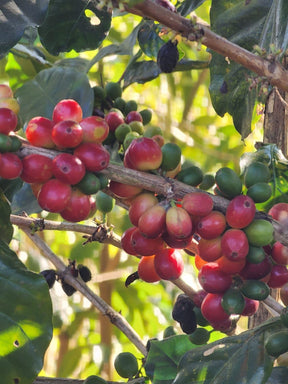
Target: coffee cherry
(256, 172)
(50, 276)
(89, 184)
(234, 244)
(104, 202)
(259, 232)
(240, 211)
(113, 90)
(54, 195)
(228, 182)
(67, 109)
(95, 129)
(197, 204)
(277, 343)
(168, 56)
(168, 263)
(126, 365)
(213, 280)
(36, 168)
(68, 168)
(94, 156)
(67, 288)
(8, 121)
(84, 273)
(178, 223)
(200, 336)
(146, 269)
(94, 380)
(10, 166)
(67, 134)
(77, 207)
(39, 132)
(191, 175)
(171, 156)
(255, 289)
(233, 302)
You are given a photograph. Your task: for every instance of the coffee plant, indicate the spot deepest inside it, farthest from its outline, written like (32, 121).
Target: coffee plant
(144, 206)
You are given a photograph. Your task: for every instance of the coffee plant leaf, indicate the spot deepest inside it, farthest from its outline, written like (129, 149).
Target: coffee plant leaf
(231, 88)
(39, 96)
(25, 319)
(188, 6)
(148, 38)
(6, 228)
(230, 359)
(74, 24)
(28, 13)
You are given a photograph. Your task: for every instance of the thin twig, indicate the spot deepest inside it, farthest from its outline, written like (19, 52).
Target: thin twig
(116, 318)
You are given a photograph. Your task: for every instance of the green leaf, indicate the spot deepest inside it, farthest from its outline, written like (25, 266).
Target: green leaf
(16, 16)
(25, 320)
(188, 6)
(74, 24)
(39, 96)
(6, 228)
(141, 72)
(275, 31)
(164, 356)
(242, 23)
(231, 359)
(148, 38)
(278, 375)
(25, 201)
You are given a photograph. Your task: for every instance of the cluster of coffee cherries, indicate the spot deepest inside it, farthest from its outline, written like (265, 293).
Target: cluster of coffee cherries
(81, 270)
(233, 249)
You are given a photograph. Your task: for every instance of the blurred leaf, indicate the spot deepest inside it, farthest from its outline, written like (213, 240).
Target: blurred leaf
(70, 361)
(67, 27)
(231, 359)
(25, 201)
(39, 96)
(148, 38)
(10, 187)
(16, 16)
(275, 31)
(6, 228)
(25, 320)
(242, 23)
(278, 376)
(141, 72)
(188, 6)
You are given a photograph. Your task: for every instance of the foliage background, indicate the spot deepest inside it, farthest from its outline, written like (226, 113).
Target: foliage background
(84, 342)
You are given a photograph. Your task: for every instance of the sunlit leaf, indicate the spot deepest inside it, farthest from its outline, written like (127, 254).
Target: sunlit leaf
(16, 16)
(141, 72)
(74, 24)
(25, 320)
(39, 96)
(148, 38)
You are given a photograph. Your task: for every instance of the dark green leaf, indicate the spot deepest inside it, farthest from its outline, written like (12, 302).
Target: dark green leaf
(149, 40)
(275, 31)
(164, 356)
(39, 96)
(68, 25)
(242, 23)
(16, 16)
(188, 6)
(10, 187)
(141, 72)
(231, 359)
(278, 376)
(6, 228)
(25, 320)
(25, 201)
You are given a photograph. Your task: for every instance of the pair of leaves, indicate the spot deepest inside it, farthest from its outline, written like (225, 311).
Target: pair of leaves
(246, 23)
(225, 361)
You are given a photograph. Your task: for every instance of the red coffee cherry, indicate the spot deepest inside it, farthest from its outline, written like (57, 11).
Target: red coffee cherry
(67, 109)
(67, 134)
(240, 211)
(10, 166)
(68, 168)
(94, 156)
(54, 195)
(169, 263)
(39, 132)
(36, 168)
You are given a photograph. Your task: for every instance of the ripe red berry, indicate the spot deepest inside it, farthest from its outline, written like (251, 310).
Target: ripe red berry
(178, 223)
(54, 195)
(36, 168)
(212, 225)
(68, 168)
(212, 309)
(169, 264)
(126, 242)
(67, 134)
(94, 156)
(140, 204)
(39, 132)
(114, 119)
(213, 280)
(146, 269)
(144, 154)
(240, 211)
(95, 129)
(234, 244)
(197, 203)
(67, 109)
(77, 208)
(10, 166)
(8, 120)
